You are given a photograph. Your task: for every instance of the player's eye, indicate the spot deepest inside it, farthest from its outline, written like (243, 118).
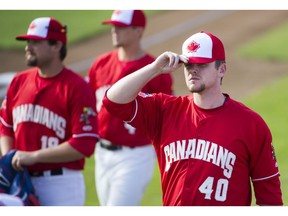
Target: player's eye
(202, 65)
(188, 66)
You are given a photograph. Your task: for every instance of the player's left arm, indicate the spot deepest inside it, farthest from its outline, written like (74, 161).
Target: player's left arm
(265, 173)
(268, 192)
(267, 186)
(83, 119)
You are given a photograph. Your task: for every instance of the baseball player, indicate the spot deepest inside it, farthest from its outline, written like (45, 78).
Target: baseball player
(125, 158)
(209, 146)
(49, 117)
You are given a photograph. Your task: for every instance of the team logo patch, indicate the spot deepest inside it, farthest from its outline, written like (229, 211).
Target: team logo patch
(87, 112)
(193, 47)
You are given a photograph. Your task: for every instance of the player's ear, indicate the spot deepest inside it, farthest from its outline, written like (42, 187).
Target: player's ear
(222, 69)
(140, 31)
(59, 44)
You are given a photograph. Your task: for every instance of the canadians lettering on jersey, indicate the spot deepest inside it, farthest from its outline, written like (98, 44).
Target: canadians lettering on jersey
(41, 115)
(201, 150)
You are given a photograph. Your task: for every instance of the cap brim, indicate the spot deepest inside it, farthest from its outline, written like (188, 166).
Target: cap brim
(199, 60)
(115, 23)
(29, 37)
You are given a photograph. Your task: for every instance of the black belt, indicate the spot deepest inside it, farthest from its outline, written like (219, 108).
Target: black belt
(110, 147)
(113, 147)
(54, 172)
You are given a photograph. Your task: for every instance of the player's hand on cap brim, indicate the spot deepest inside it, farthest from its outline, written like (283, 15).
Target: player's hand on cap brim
(183, 59)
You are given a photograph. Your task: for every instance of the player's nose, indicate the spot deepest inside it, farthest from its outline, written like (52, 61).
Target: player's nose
(28, 47)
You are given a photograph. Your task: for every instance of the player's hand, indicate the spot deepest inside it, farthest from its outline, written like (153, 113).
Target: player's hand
(168, 62)
(23, 158)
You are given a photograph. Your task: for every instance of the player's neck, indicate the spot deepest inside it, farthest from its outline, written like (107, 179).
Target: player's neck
(50, 70)
(206, 101)
(130, 53)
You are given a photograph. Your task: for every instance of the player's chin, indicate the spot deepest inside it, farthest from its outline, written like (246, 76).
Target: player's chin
(191, 84)
(196, 88)
(117, 45)
(32, 61)
(116, 42)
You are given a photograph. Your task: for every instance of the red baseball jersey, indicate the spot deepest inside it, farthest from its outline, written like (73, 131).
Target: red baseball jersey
(45, 112)
(104, 72)
(206, 157)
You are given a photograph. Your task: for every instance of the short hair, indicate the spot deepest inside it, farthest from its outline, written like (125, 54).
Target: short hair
(218, 63)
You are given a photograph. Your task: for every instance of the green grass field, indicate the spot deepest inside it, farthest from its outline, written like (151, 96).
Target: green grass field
(270, 102)
(271, 46)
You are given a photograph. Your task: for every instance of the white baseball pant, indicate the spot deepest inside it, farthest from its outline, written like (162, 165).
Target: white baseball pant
(67, 189)
(123, 175)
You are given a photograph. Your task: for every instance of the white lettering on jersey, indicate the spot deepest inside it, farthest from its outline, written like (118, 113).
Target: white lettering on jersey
(131, 129)
(40, 115)
(201, 150)
(100, 93)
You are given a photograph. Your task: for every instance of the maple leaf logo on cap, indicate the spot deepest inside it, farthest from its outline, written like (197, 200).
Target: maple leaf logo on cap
(117, 12)
(32, 26)
(193, 47)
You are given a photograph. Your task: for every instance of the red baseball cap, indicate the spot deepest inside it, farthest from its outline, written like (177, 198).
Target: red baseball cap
(203, 47)
(45, 28)
(127, 18)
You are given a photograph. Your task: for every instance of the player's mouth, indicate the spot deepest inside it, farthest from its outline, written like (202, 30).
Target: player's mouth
(194, 78)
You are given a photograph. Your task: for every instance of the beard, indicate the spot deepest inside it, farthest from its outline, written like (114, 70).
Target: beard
(200, 89)
(32, 61)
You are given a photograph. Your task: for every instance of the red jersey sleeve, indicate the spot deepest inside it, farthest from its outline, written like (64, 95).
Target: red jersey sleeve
(6, 126)
(264, 167)
(83, 119)
(263, 191)
(162, 83)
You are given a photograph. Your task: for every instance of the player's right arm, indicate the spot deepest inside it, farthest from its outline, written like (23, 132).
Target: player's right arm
(134, 82)
(6, 127)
